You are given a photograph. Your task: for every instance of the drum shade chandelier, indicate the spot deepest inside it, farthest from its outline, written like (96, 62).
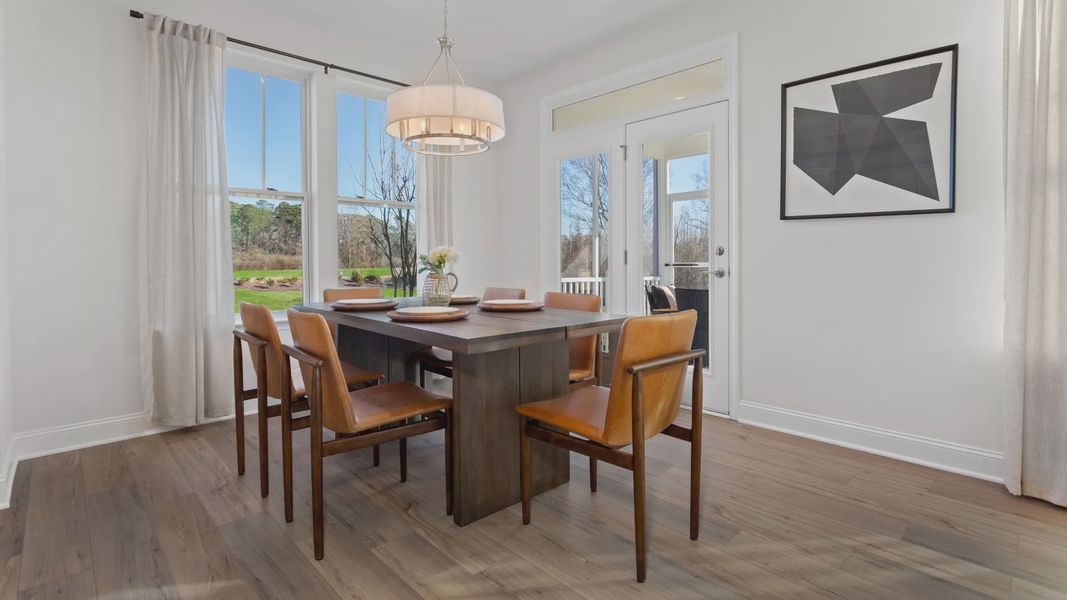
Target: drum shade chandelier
(450, 119)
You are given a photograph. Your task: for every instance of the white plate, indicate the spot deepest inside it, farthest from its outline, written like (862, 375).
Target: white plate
(464, 296)
(363, 301)
(512, 302)
(427, 310)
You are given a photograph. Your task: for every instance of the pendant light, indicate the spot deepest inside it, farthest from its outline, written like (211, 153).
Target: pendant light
(450, 119)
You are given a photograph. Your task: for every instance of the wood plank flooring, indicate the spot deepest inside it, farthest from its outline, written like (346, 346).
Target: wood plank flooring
(783, 517)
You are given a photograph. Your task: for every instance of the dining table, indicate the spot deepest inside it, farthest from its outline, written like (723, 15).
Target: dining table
(499, 360)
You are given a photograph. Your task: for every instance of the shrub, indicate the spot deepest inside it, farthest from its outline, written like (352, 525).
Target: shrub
(356, 277)
(261, 261)
(372, 278)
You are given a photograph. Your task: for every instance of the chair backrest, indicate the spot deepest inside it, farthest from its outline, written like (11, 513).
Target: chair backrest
(352, 293)
(661, 297)
(642, 339)
(258, 321)
(495, 293)
(583, 349)
(311, 335)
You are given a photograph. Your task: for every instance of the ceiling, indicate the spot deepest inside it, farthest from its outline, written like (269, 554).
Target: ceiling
(495, 39)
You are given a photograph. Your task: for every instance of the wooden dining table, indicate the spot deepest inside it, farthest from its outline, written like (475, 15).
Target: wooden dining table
(500, 359)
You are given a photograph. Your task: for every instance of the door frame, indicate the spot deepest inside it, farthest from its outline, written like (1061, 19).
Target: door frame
(724, 48)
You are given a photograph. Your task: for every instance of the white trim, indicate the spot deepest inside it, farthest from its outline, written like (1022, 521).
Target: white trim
(971, 461)
(75, 436)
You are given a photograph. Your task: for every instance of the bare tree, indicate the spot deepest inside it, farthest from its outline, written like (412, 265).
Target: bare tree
(392, 178)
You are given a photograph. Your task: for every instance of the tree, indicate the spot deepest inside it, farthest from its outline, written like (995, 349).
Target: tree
(392, 178)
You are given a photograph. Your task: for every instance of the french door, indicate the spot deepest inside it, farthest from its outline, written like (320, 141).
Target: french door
(647, 204)
(678, 228)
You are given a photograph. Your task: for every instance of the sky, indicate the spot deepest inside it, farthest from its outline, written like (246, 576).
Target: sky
(360, 121)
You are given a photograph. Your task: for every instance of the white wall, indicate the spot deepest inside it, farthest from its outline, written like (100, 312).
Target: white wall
(5, 294)
(881, 332)
(78, 93)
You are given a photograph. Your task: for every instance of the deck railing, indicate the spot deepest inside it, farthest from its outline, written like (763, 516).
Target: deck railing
(591, 285)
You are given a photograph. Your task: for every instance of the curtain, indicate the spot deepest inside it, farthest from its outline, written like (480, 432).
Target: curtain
(435, 214)
(186, 286)
(1036, 257)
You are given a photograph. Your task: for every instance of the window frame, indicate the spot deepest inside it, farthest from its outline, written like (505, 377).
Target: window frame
(269, 67)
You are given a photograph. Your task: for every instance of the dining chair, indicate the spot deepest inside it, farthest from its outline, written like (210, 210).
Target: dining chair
(439, 360)
(583, 351)
(268, 363)
(352, 293)
(643, 400)
(359, 418)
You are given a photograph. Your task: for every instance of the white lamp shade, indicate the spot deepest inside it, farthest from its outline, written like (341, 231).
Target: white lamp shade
(445, 118)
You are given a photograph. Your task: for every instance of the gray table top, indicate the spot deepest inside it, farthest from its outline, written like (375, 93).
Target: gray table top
(481, 331)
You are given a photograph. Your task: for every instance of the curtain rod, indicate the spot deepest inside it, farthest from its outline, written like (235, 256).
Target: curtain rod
(325, 65)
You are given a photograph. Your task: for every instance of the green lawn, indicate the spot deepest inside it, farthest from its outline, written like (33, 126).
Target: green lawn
(281, 300)
(272, 300)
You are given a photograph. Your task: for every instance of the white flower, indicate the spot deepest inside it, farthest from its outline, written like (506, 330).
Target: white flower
(443, 255)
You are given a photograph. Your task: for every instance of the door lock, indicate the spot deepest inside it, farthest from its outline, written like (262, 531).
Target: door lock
(719, 250)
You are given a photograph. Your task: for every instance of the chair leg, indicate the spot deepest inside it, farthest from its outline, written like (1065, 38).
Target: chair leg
(524, 470)
(639, 506)
(695, 445)
(316, 489)
(403, 459)
(264, 483)
(448, 462)
(287, 455)
(239, 404)
(422, 377)
(377, 455)
(592, 474)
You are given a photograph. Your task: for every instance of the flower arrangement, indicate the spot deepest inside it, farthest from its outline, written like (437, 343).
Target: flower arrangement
(437, 260)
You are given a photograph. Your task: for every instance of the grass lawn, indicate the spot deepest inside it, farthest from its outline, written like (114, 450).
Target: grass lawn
(272, 300)
(281, 300)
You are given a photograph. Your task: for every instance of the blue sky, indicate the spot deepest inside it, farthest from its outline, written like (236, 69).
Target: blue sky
(245, 131)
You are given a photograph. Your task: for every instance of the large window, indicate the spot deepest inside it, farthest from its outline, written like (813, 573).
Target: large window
(265, 164)
(376, 180)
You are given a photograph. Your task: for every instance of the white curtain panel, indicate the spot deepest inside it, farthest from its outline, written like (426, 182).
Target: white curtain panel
(435, 217)
(1036, 259)
(186, 287)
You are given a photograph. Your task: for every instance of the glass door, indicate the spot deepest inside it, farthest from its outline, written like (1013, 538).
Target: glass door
(677, 192)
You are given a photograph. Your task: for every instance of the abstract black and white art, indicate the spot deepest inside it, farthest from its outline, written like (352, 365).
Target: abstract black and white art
(877, 139)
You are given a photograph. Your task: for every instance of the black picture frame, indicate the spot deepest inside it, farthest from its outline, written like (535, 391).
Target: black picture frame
(951, 208)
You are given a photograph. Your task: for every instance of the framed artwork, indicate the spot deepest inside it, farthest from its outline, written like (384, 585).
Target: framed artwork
(878, 139)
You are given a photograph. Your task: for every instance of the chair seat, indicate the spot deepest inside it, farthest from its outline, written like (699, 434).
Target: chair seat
(392, 402)
(353, 376)
(579, 375)
(581, 411)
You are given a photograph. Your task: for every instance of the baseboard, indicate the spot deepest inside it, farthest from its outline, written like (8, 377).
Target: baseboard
(938, 454)
(64, 438)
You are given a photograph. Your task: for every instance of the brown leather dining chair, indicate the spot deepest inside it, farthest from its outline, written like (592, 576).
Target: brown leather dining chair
(352, 293)
(436, 360)
(360, 418)
(583, 350)
(268, 362)
(644, 398)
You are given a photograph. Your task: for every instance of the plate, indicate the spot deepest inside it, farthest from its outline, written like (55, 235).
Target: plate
(464, 299)
(426, 310)
(361, 301)
(408, 316)
(353, 304)
(510, 305)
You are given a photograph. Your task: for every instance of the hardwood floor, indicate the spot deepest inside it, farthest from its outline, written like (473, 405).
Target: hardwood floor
(783, 517)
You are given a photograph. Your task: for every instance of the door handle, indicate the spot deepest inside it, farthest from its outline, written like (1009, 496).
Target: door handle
(719, 273)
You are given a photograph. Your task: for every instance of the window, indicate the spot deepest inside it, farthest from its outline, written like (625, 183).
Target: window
(265, 164)
(583, 207)
(376, 216)
(687, 197)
